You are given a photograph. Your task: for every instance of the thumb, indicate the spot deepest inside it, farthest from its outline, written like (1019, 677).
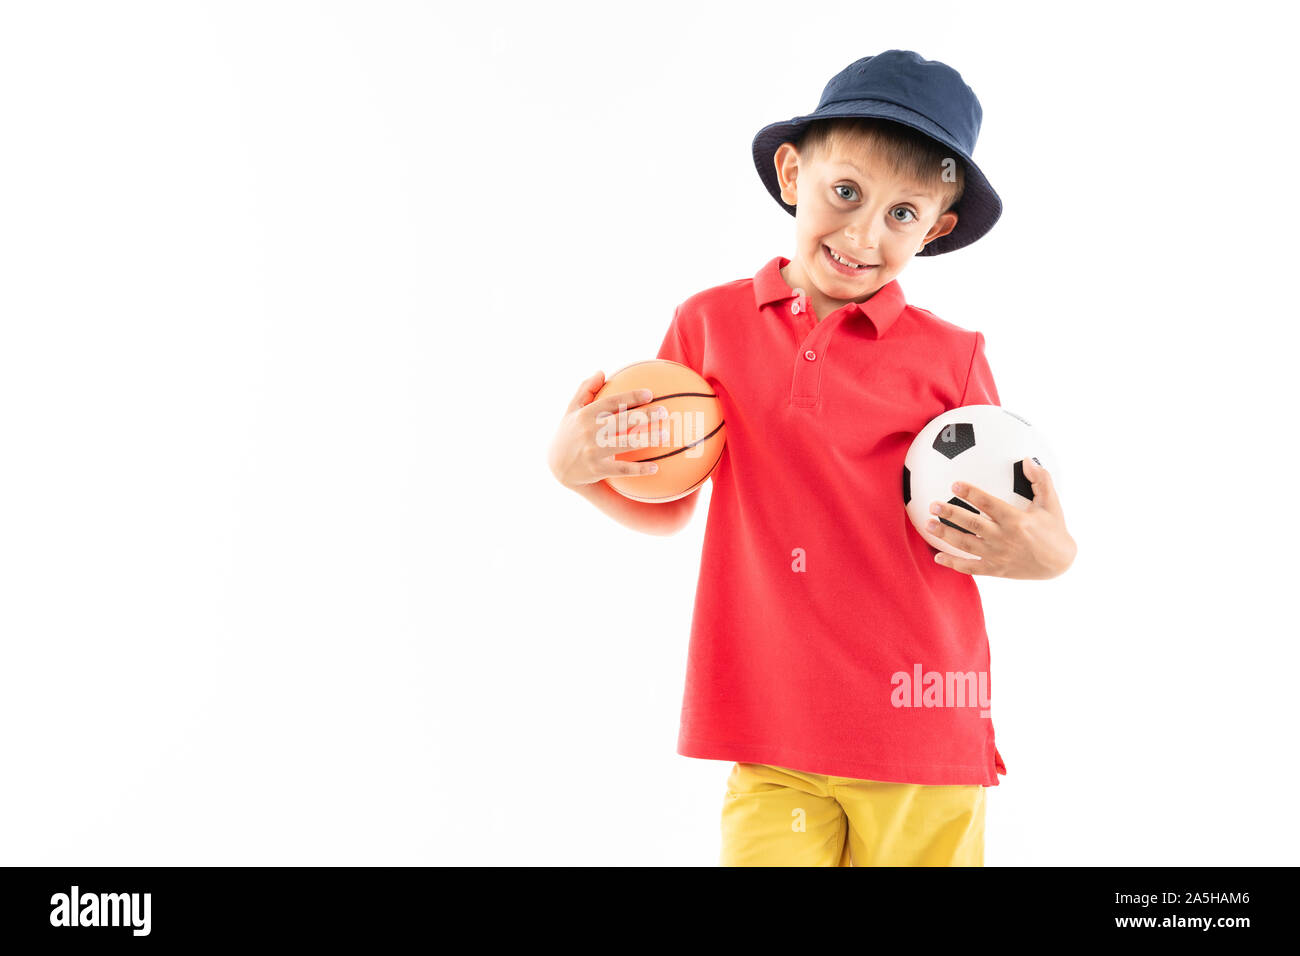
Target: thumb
(586, 392)
(1044, 489)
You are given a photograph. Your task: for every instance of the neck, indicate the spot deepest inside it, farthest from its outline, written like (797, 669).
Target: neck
(796, 277)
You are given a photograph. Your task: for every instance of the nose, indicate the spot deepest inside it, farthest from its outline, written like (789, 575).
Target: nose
(866, 243)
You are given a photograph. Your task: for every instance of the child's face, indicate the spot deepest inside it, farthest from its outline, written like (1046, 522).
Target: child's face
(850, 202)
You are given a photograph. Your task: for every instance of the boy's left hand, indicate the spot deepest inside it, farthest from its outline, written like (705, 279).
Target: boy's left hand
(1011, 543)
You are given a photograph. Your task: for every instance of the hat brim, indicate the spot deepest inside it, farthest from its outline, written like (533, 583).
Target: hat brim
(977, 210)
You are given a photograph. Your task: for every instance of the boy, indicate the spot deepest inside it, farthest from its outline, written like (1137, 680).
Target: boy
(818, 606)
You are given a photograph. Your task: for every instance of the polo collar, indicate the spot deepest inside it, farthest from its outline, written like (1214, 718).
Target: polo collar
(882, 308)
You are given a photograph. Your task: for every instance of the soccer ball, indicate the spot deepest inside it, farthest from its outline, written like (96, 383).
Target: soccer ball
(982, 445)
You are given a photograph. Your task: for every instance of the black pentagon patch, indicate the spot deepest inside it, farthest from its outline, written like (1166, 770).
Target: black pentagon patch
(954, 438)
(960, 504)
(907, 486)
(1019, 483)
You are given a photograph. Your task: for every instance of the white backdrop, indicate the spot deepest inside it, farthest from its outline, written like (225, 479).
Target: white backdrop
(293, 295)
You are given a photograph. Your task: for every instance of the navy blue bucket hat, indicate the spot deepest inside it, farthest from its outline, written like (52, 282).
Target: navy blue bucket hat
(903, 87)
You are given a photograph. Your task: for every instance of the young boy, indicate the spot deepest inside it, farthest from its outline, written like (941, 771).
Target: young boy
(819, 609)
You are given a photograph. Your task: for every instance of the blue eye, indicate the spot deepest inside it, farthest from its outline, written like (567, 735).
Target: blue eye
(854, 195)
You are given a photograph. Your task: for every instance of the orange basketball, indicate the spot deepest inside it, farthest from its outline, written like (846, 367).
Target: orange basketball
(697, 431)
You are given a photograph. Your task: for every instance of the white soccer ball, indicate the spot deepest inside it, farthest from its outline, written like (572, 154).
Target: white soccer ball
(981, 445)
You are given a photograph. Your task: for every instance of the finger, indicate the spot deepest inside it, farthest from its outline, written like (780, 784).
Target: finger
(964, 518)
(586, 392)
(629, 420)
(633, 467)
(633, 428)
(625, 417)
(994, 508)
(1044, 488)
(964, 565)
(642, 435)
(610, 404)
(956, 537)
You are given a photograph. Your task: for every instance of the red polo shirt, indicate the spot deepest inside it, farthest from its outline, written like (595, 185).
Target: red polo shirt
(814, 590)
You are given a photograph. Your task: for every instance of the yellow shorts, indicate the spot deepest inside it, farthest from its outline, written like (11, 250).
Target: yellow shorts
(772, 816)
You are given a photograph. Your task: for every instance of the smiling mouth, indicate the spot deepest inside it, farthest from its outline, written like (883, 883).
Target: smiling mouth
(844, 264)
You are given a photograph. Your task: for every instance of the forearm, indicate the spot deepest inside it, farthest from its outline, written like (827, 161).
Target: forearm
(661, 518)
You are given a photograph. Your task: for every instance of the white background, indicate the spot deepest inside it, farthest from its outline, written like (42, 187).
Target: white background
(293, 295)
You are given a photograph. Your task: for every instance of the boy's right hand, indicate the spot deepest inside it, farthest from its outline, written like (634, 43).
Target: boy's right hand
(577, 455)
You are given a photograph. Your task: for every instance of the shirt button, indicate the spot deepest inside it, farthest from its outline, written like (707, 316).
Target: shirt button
(794, 307)
(810, 355)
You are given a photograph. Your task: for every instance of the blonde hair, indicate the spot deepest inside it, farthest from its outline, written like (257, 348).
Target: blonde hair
(908, 153)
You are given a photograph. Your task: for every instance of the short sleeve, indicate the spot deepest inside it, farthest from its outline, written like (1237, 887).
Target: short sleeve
(674, 345)
(980, 389)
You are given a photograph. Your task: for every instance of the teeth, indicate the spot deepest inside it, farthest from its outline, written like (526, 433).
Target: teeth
(838, 258)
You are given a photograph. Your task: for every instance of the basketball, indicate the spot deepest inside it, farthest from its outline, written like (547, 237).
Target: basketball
(697, 432)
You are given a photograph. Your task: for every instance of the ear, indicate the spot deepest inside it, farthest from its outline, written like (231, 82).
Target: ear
(787, 171)
(942, 226)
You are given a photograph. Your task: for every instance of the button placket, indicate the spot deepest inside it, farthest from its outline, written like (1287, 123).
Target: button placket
(809, 360)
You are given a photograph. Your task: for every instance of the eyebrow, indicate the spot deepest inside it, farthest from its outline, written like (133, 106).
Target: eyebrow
(845, 162)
